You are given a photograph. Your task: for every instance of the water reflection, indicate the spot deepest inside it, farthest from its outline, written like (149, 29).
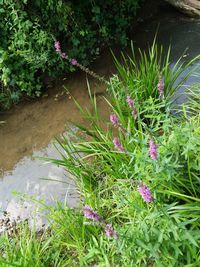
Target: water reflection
(40, 180)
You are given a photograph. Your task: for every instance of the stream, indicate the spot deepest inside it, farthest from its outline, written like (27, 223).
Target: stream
(30, 127)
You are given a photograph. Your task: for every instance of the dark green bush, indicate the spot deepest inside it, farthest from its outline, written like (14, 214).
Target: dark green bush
(28, 29)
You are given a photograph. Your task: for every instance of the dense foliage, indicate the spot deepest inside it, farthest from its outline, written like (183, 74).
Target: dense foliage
(28, 29)
(138, 180)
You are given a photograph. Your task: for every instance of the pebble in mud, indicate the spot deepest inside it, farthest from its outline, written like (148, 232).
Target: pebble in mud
(7, 225)
(10, 226)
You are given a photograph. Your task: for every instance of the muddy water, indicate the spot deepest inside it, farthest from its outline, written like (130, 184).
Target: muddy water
(30, 127)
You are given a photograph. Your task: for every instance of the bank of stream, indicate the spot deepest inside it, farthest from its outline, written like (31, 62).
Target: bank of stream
(31, 126)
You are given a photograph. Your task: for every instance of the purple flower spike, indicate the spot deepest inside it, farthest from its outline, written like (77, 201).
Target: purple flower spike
(110, 232)
(114, 119)
(153, 150)
(57, 46)
(161, 87)
(130, 102)
(64, 56)
(135, 113)
(145, 193)
(132, 106)
(89, 213)
(73, 61)
(118, 145)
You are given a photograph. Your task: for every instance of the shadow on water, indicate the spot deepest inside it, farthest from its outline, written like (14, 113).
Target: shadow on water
(31, 126)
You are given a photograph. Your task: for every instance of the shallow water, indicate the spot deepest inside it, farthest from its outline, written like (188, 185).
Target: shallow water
(30, 176)
(33, 124)
(30, 127)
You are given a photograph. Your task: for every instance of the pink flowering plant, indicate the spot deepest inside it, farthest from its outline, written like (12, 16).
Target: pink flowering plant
(141, 176)
(139, 170)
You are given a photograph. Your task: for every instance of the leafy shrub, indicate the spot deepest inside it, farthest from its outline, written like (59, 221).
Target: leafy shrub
(29, 27)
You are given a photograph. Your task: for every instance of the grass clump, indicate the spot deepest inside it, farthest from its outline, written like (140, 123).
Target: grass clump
(138, 178)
